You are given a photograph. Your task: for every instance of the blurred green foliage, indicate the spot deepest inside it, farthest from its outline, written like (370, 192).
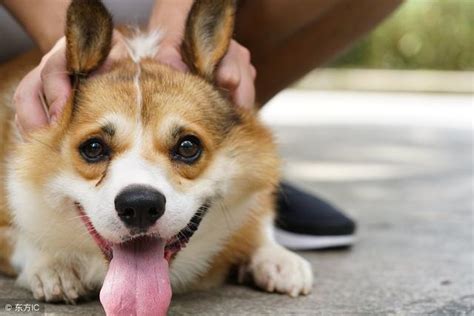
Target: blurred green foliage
(421, 34)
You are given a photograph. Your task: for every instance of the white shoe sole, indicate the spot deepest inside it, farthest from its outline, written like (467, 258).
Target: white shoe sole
(306, 242)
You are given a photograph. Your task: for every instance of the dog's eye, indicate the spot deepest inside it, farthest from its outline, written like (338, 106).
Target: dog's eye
(188, 149)
(94, 150)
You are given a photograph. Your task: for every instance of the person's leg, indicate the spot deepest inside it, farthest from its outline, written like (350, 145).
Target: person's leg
(288, 39)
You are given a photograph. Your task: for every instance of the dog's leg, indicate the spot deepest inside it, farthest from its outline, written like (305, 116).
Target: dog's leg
(276, 269)
(58, 277)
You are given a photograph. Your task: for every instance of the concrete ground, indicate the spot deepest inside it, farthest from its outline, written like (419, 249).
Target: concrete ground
(402, 166)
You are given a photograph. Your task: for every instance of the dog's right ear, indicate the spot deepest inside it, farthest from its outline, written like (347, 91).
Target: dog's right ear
(89, 30)
(88, 42)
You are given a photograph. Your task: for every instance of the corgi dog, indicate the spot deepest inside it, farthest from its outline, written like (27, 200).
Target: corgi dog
(150, 181)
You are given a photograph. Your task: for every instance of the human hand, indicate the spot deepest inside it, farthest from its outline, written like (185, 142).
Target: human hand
(43, 92)
(48, 83)
(235, 72)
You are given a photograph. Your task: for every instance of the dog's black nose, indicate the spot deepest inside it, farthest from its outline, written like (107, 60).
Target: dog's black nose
(140, 206)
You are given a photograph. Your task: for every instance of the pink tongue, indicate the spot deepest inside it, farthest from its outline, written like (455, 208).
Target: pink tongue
(137, 282)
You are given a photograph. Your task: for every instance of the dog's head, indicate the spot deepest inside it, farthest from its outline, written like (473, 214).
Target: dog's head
(143, 149)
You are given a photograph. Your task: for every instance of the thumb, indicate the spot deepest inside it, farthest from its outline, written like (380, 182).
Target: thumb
(56, 83)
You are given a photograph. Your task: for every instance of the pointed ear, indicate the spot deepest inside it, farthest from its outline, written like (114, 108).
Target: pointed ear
(88, 41)
(88, 36)
(208, 32)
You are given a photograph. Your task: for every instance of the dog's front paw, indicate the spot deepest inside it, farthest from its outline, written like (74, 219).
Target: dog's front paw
(56, 283)
(276, 269)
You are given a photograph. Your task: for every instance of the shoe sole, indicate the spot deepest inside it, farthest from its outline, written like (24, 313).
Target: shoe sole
(306, 242)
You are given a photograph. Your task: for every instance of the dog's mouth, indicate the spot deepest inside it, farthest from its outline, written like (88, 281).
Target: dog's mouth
(173, 244)
(138, 269)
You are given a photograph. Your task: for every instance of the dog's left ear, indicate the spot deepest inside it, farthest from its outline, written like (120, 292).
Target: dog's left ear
(208, 32)
(88, 36)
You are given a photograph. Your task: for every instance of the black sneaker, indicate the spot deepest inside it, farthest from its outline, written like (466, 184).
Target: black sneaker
(307, 222)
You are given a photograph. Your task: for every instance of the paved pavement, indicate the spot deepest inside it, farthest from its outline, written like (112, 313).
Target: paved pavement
(402, 165)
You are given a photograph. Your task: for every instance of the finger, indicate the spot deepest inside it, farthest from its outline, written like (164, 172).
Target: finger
(55, 82)
(244, 95)
(30, 112)
(237, 74)
(228, 73)
(119, 51)
(170, 56)
(177, 64)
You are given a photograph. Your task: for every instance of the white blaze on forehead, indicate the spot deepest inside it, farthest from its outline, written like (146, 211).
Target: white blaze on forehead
(136, 82)
(142, 45)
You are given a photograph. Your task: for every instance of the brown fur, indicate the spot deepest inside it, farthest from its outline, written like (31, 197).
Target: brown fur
(86, 50)
(243, 138)
(190, 103)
